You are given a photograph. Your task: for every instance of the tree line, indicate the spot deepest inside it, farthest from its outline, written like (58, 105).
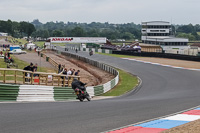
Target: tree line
(128, 31)
(192, 32)
(17, 29)
(95, 29)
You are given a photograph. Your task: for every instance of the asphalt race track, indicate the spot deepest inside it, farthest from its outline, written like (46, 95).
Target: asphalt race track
(164, 91)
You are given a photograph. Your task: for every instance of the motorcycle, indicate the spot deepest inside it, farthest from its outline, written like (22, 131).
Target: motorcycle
(82, 95)
(91, 53)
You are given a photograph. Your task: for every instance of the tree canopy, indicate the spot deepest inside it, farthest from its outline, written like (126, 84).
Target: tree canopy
(95, 29)
(16, 29)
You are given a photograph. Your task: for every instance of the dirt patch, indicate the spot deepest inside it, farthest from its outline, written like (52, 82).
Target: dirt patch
(89, 74)
(192, 127)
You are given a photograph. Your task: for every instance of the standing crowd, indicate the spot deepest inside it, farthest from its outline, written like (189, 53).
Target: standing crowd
(32, 68)
(63, 70)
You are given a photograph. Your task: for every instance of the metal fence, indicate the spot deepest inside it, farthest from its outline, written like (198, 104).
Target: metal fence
(163, 55)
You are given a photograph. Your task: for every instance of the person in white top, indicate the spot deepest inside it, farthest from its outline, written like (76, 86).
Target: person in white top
(69, 72)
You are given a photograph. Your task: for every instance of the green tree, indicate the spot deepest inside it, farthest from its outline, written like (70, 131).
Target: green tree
(128, 36)
(26, 28)
(185, 35)
(15, 29)
(58, 33)
(78, 32)
(186, 28)
(45, 34)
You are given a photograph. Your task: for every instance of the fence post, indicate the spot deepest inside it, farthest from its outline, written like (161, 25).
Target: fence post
(52, 80)
(59, 81)
(64, 81)
(39, 79)
(15, 77)
(23, 77)
(31, 78)
(46, 79)
(4, 76)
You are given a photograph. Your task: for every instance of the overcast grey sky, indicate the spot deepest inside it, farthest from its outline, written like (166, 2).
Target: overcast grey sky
(112, 11)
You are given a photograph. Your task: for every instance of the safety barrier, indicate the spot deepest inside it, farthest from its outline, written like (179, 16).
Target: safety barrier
(97, 50)
(89, 49)
(162, 55)
(35, 93)
(63, 93)
(24, 93)
(8, 92)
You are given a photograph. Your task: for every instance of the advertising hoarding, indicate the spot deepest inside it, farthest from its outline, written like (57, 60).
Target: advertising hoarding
(78, 39)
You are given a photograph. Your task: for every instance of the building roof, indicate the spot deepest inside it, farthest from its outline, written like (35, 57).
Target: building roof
(167, 38)
(143, 45)
(156, 23)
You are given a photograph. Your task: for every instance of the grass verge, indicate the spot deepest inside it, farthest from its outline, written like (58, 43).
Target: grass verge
(21, 64)
(126, 83)
(118, 55)
(39, 43)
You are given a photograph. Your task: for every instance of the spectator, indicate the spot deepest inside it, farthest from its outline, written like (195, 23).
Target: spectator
(73, 71)
(69, 72)
(59, 68)
(77, 73)
(65, 71)
(28, 68)
(8, 54)
(35, 70)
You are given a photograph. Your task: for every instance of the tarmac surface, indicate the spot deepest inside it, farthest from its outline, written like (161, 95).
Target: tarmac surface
(164, 91)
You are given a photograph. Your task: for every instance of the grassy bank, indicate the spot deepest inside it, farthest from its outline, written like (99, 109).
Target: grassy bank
(126, 83)
(39, 43)
(21, 64)
(118, 55)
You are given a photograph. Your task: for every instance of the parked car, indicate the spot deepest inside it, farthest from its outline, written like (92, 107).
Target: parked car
(17, 51)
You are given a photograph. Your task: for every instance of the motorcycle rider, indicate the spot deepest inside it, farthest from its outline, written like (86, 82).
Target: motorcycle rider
(78, 84)
(91, 53)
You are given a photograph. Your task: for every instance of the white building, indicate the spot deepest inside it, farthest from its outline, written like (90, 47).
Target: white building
(158, 33)
(31, 45)
(3, 34)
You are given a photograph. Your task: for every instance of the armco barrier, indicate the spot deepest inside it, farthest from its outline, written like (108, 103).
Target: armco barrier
(163, 55)
(8, 92)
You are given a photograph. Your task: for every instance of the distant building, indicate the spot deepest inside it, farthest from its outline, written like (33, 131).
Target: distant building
(158, 33)
(3, 34)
